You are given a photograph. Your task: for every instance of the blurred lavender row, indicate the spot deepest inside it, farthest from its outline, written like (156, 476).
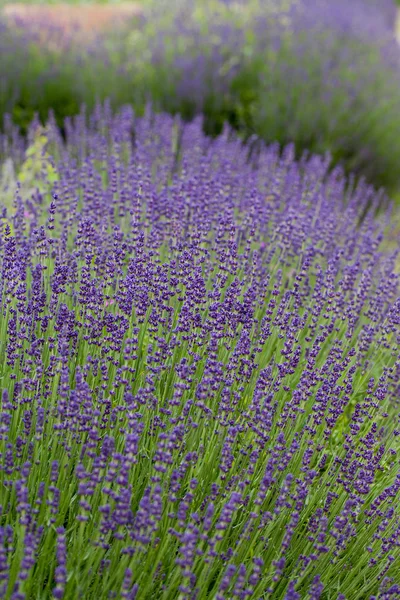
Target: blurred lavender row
(322, 75)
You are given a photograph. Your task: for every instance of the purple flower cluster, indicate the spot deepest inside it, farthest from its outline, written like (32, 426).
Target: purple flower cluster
(200, 371)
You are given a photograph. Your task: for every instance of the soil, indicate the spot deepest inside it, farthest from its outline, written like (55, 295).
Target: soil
(70, 19)
(398, 25)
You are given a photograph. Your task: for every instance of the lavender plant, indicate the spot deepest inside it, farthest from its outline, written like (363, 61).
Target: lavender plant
(199, 367)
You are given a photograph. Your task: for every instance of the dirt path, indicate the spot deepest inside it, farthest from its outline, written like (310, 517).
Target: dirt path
(398, 25)
(70, 19)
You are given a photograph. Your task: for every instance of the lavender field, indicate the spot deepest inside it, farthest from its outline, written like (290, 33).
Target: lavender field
(199, 365)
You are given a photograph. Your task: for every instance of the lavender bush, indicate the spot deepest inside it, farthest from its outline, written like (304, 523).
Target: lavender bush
(200, 369)
(316, 86)
(323, 75)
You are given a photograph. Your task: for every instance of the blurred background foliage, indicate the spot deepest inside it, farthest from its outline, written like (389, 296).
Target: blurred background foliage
(320, 74)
